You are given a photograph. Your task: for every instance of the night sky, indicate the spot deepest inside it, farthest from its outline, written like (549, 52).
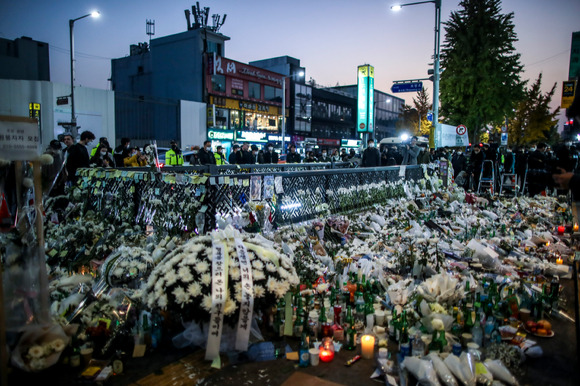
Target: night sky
(330, 37)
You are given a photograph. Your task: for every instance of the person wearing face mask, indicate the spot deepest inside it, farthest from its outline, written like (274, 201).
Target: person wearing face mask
(371, 157)
(257, 155)
(78, 155)
(324, 157)
(459, 162)
(233, 156)
(194, 158)
(411, 152)
(293, 157)
(206, 156)
(173, 157)
(270, 156)
(220, 159)
(102, 158)
(122, 151)
(136, 159)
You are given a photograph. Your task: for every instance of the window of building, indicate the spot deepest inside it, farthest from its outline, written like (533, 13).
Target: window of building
(236, 119)
(214, 47)
(218, 83)
(254, 90)
(273, 94)
(235, 91)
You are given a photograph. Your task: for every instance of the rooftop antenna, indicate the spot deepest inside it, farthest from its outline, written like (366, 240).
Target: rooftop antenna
(150, 29)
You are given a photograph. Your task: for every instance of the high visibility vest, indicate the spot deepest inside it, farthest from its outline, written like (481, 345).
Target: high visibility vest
(173, 159)
(218, 159)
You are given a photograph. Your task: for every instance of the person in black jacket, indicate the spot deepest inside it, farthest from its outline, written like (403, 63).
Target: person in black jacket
(459, 162)
(206, 156)
(78, 155)
(292, 157)
(537, 165)
(371, 156)
(244, 156)
(475, 165)
(270, 156)
(122, 152)
(233, 155)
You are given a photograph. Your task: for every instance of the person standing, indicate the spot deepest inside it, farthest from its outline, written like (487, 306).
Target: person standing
(68, 141)
(102, 158)
(292, 157)
(270, 156)
(335, 156)
(310, 157)
(412, 151)
(459, 162)
(194, 157)
(537, 165)
(371, 156)
(52, 173)
(244, 156)
(173, 156)
(257, 158)
(233, 155)
(220, 159)
(324, 157)
(206, 156)
(102, 141)
(122, 151)
(78, 155)
(475, 165)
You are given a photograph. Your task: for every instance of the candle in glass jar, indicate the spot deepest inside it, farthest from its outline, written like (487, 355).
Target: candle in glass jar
(368, 346)
(559, 260)
(326, 355)
(561, 229)
(575, 228)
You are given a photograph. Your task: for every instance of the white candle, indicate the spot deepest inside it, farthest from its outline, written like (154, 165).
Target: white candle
(368, 346)
(380, 317)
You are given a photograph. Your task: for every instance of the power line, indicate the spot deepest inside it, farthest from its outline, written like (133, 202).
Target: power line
(548, 58)
(78, 54)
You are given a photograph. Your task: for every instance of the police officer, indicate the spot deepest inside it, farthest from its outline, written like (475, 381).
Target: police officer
(173, 156)
(220, 159)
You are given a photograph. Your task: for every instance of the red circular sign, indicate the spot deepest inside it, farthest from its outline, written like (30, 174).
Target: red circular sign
(461, 129)
(362, 125)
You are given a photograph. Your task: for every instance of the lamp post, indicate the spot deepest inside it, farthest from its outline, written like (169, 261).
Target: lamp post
(71, 23)
(300, 74)
(436, 75)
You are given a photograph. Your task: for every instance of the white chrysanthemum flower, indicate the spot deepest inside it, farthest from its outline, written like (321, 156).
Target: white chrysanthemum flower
(259, 291)
(185, 274)
(57, 345)
(181, 296)
(36, 351)
(238, 295)
(162, 301)
(230, 307)
(194, 290)
(202, 267)
(206, 303)
(258, 275)
(159, 285)
(235, 273)
(270, 267)
(271, 284)
(437, 324)
(257, 264)
(206, 279)
(37, 364)
(118, 272)
(234, 261)
(322, 288)
(46, 159)
(170, 278)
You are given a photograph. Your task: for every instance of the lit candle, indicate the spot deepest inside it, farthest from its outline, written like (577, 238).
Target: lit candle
(575, 228)
(326, 355)
(561, 229)
(559, 260)
(368, 346)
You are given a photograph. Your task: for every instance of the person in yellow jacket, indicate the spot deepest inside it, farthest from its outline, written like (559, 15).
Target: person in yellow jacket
(135, 159)
(173, 157)
(220, 159)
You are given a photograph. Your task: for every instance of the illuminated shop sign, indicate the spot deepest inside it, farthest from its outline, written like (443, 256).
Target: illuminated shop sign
(350, 142)
(251, 136)
(278, 138)
(228, 135)
(365, 102)
(254, 107)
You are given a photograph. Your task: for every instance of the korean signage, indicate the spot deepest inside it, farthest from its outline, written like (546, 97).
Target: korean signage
(574, 70)
(350, 142)
(365, 102)
(220, 135)
(223, 66)
(235, 104)
(34, 112)
(251, 136)
(278, 138)
(19, 138)
(568, 91)
(450, 135)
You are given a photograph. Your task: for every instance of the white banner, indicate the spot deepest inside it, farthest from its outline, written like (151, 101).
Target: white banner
(452, 136)
(247, 304)
(219, 285)
(19, 138)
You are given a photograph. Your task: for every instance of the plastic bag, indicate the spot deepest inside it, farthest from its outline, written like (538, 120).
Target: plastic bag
(468, 367)
(454, 365)
(422, 370)
(500, 372)
(442, 371)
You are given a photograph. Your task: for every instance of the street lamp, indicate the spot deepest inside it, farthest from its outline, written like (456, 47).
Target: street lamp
(436, 75)
(300, 74)
(71, 23)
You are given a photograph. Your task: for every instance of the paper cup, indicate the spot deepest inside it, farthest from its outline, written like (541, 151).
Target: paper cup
(87, 354)
(380, 317)
(314, 359)
(383, 353)
(524, 314)
(466, 338)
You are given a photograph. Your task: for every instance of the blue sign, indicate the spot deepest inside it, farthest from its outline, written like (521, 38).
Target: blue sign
(430, 117)
(407, 87)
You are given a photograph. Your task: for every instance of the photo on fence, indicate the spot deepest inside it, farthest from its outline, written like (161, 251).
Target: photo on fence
(268, 187)
(255, 188)
(278, 184)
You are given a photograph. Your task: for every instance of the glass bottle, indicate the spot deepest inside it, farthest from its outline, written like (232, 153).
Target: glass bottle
(359, 305)
(337, 329)
(299, 322)
(75, 356)
(303, 354)
(435, 345)
(350, 338)
(404, 334)
(155, 330)
(118, 363)
(469, 319)
(456, 328)
(418, 346)
(477, 331)
(146, 330)
(442, 340)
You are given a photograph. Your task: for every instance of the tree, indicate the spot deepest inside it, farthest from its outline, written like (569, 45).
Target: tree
(408, 120)
(533, 122)
(481, 79)
(423, 106)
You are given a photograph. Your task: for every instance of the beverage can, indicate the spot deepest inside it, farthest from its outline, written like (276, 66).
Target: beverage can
(456, 348)
(405, 350)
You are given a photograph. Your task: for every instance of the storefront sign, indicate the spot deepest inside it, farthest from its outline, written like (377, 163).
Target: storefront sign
(227, 135)
(236, 104)
(350, 142)
(251, 136)
(224, 66)
(365, 104)
(237, 84)
(328, 142)
(253, 107)
(278, 138)
(568, 92)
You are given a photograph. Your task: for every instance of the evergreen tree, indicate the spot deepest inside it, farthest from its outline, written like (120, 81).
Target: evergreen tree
(423, 106)
(533, 122)
(409, 120)
(481, 79)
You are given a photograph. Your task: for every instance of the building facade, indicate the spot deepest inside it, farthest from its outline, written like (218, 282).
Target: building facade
(24, 59)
